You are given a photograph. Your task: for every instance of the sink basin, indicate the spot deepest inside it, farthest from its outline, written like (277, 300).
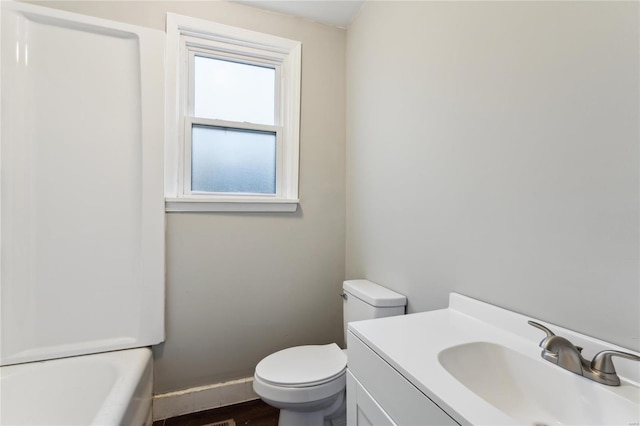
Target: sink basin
(535, 392)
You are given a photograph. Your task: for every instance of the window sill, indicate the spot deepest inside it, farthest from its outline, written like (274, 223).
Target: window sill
(285, 205)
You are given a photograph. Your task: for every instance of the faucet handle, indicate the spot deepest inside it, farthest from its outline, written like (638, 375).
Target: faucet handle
(603, 369)
(550, 333)
(603, 363)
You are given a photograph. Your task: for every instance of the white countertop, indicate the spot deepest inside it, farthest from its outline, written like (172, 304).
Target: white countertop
(411, 344)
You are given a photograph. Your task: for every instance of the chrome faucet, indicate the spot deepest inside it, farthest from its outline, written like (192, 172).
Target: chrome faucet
(560, 351)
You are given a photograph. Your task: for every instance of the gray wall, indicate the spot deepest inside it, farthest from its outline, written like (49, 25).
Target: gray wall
(492, 150)
(241, 286)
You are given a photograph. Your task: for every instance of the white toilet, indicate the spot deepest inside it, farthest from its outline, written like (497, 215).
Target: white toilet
(307, 383)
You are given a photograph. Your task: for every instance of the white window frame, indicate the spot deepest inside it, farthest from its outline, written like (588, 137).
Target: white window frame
(189, 37)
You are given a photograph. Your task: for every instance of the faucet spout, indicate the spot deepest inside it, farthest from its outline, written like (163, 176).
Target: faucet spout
(562, 352)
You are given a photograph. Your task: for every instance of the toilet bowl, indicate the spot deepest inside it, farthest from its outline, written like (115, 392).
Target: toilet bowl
(304, 395)
(307, 383)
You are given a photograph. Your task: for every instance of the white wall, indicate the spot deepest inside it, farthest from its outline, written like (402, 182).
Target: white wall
(241, 286)
(492, 150)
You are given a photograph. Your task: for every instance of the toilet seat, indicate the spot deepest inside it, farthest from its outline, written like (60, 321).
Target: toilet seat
(303, 366)
(303, 374)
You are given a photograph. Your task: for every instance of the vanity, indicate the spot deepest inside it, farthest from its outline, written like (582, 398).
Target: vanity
(474, 363)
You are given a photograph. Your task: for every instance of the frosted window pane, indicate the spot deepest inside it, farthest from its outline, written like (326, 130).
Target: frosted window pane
(231, 91)
(232, 160)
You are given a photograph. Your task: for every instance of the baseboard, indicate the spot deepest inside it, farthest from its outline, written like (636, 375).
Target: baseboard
(202, 398)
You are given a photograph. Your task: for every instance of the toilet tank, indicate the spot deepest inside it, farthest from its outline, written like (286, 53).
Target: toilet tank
(364, 299)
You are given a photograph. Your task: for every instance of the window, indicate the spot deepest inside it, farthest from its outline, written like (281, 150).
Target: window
(233, 110)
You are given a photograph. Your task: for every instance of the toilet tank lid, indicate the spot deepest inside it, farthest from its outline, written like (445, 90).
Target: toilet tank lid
(374, 294)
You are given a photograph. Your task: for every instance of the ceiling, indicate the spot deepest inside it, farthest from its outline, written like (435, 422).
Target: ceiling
(338, 13)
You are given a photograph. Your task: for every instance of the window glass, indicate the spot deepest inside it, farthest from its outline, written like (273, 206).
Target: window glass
(232, 91)
(232, 160)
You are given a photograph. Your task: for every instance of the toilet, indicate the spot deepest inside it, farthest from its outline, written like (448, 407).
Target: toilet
(307, 383)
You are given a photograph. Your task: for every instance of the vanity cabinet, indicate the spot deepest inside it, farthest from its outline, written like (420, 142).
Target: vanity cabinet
(379, 395)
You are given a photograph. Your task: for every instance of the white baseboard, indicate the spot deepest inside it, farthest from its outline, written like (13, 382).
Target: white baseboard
(202, 398)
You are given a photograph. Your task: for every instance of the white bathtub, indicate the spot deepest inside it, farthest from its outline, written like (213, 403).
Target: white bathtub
(112, 388)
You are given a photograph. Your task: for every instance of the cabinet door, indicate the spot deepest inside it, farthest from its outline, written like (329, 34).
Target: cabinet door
(401, 400)
(362, 409)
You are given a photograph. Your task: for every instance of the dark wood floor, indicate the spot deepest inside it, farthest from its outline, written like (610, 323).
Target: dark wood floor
(255, 413)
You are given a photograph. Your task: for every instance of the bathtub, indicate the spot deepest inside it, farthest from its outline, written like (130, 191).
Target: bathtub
(111, 388)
